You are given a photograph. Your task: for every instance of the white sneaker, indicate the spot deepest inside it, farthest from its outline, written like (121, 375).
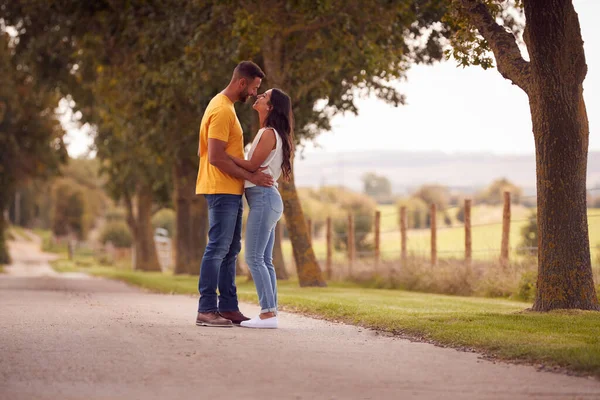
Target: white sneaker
(256, 322)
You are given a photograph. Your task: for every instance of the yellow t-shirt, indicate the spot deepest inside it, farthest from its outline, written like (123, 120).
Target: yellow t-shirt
(219, 122)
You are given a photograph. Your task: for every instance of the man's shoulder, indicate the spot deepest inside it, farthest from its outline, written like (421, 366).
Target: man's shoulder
(219, 105)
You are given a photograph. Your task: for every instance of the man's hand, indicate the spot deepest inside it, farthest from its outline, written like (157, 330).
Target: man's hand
(259, 178)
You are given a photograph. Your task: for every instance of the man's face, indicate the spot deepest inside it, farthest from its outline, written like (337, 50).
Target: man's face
(249, 89)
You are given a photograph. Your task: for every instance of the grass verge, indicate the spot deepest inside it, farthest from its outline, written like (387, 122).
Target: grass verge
(499, 328)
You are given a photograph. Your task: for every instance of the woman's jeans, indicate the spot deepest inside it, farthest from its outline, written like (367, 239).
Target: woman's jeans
(266, 208)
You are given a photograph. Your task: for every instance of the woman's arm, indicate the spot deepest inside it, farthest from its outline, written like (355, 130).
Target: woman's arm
(266, 143)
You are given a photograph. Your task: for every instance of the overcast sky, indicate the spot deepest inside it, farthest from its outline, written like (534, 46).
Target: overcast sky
(449, 109)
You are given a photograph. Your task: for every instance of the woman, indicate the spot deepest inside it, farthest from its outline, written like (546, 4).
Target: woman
(272, 151)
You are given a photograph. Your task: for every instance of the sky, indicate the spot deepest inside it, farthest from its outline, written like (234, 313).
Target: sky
(449, 109)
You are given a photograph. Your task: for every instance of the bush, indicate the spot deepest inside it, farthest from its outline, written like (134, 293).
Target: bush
(315, 207)
(165, 218)
(417, 212)
(527, 286)
(363, 209)
(529, 237)
(494, 194)
(115, 215)
(117, 233)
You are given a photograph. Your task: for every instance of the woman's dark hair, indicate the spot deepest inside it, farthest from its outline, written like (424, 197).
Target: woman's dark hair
(281, 119)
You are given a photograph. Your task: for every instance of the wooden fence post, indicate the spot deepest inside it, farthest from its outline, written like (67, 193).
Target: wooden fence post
(433, 224)
(377, 239)
(403, 235)
(351, 245)
(329, 260)
(468, 240)
(505, 230)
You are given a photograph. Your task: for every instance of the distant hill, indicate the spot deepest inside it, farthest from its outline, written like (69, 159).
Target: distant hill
(408, 170)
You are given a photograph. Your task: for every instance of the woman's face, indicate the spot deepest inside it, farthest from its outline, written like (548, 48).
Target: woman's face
(262, 104)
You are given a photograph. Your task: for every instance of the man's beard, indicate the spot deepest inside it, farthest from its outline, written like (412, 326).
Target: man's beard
(244, 96)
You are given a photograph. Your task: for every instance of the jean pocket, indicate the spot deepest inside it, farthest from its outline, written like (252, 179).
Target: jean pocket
(276, 203)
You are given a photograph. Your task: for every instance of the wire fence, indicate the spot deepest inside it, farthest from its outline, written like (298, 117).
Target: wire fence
(500, 240)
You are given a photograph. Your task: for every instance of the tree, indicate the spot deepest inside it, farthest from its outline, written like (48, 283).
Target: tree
(378, 187)
(494, 194)
(438, 195)
(417, 212)
(328, 52)
(31, 142)
(553, 81)
(69, 210)
(433, 194)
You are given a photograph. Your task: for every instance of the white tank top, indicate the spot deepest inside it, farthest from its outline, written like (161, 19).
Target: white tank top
(274, 160)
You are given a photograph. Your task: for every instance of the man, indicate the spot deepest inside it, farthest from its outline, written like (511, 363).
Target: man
(222, 183)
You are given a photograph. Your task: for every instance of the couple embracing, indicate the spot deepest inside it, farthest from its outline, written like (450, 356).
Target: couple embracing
(224, 176)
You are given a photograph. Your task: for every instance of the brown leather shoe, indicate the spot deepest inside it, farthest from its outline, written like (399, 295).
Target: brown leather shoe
(235, 317)
(212, 319)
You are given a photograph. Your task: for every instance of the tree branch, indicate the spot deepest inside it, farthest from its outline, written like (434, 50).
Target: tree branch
(511, 64)
(305, 28)
(313, 83)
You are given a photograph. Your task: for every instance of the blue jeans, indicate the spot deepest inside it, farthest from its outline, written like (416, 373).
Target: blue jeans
(218, 262)
(266, 208)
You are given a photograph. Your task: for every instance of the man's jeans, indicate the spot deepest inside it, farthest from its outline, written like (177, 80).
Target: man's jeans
(218, 262)
(266, 208)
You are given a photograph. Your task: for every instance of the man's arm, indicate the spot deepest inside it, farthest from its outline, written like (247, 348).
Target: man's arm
(218, 157)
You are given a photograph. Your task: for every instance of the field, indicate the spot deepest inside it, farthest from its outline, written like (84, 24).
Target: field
(486, 236)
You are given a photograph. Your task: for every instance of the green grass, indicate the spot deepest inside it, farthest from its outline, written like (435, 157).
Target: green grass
(18, 232)
(497, 327)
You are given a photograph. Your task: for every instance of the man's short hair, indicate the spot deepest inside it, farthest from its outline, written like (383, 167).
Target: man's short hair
(248, 70)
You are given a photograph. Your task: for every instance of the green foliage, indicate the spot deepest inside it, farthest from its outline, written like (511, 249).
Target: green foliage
(529, 236)
(468, 47)
(434, 194)
(527, 286)
(316, 207)
(338, 203)
(115, 215)
(460, 214)
(30, 135)
(118, 233)
(361, 207)
(165, 218)
(5, 235)
(417, 212)
(378, 187)
(70, 216)
(494, 194)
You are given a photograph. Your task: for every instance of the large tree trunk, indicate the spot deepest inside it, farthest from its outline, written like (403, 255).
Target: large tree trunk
(278, 260)
(553, 81)
(146, 257)
(4, 255)
(192, 220)
(561, 133)
(309, 272)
